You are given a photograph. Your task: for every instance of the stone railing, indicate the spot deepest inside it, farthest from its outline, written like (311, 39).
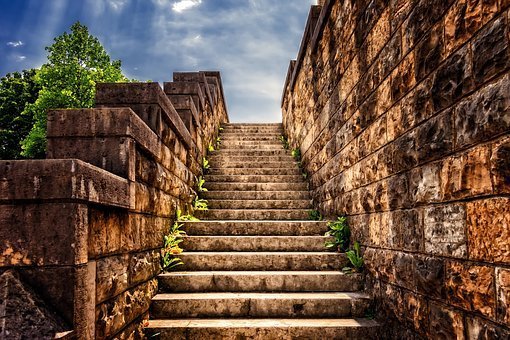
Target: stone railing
(401, 111)
(84, 227)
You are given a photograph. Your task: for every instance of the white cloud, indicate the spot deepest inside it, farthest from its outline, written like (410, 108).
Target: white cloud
(15, 43)
(183, 5)
(20, 57)
(117, 5)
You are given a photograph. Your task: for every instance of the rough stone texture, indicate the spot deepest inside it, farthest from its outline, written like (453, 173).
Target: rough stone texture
(503, 291)
(412, 143)
(86, 233)
(24, 315)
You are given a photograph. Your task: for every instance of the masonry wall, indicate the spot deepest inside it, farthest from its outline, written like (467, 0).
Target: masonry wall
(401, 110)
(84, 228)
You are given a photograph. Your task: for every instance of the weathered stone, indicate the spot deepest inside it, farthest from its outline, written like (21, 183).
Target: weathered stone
(406, 229)
(445, 230)
(417, 311)
(452, 79)
(465, 18)
(398, 192)
(425, 184)
(500, 166)
(488, 226)
(430, 275)
(403, 77)
(405, 268)
(478, 328)
(143, 266)
(112, 276)
(471, 287)
(434, 139)
(445, 323)
(466, 175)
(491, 53)
(503, 295)
(404, 152)
(106, 228)
(483, 115)
(429, 52)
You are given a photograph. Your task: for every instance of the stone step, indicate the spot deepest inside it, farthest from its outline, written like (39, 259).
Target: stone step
(255, 171)
(248, 228)
(241, 148)
(251, 143)
(263, 329)
(231, 186)
(259, 204)
(251, 153)
(275, 130)
(256, 195)
(226, 163)
(254, 243)
(251, 124)
(259, 160)
(252, 214)
(260, 281)
(202, 261)
(252, 137)
(259, 305)
(255, 178)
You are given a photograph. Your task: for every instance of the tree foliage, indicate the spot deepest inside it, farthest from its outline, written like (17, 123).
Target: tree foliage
(16, 90)
(76, 62)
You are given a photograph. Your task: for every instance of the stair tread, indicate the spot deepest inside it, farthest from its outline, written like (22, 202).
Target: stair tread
(261, 295)
(255, 323)
(255, 273)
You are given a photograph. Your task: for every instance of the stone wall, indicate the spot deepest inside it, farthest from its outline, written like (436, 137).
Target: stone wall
(401, 110)
(84, 227)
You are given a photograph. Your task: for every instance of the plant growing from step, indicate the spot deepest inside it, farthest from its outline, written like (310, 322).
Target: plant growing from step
(184, 218)
(314, 215)
(210, 148)
(205, 165)
(171, 247)
(200, 184)
(200, 204)
(218, 143)
(340, 232)
(355, 258)
(285, 142)
(296, 153)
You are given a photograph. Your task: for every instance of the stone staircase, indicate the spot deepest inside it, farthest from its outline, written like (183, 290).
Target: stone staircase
(255, 266)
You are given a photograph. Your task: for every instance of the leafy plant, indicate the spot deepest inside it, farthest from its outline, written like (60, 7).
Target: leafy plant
(315, 215)
(304, 174)
(340, 232)
(184, 218)
(200, 184)
(220, 129)
(296, 153)
(355, 257)
(205, 164)
(218, 142)
(210, 148)
(200, 204)
(285, 142)
(171, 246)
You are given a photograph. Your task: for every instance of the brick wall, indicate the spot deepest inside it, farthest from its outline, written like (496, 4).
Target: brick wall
(401, 110)
(86, 225)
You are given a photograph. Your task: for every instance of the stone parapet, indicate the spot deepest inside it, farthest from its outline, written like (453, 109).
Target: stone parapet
(401, 112)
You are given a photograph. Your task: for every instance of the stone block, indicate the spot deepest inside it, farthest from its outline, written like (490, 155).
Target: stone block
(445, 230)
(403, 78)
(425, 184)
(389, 56)
(404, 152)
(464, 18)
(400, 9)
(106, 227)
(500, 166)
(483, 115)
(466, 174)
(43, 234)
(478, 328)
(491, 53)
(378, 229)
(405, 268)
(445, 323)
(430, 276)
(471, 287)
(416, 310)
(398, 192)
(453, 79)
(435, 137)
(488, 226)
(429, 52)
(406, 229)
(143, 266)
(378, 36)
(111, 276)
(503, 295)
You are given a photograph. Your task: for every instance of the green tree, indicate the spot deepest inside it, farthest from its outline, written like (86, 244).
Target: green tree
(16, 90)
(76, 62)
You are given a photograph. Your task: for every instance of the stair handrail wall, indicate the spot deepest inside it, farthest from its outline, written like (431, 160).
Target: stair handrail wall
(84, 227)
(400, 110)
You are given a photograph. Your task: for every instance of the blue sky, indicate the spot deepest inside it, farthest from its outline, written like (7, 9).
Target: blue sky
(249, 41)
